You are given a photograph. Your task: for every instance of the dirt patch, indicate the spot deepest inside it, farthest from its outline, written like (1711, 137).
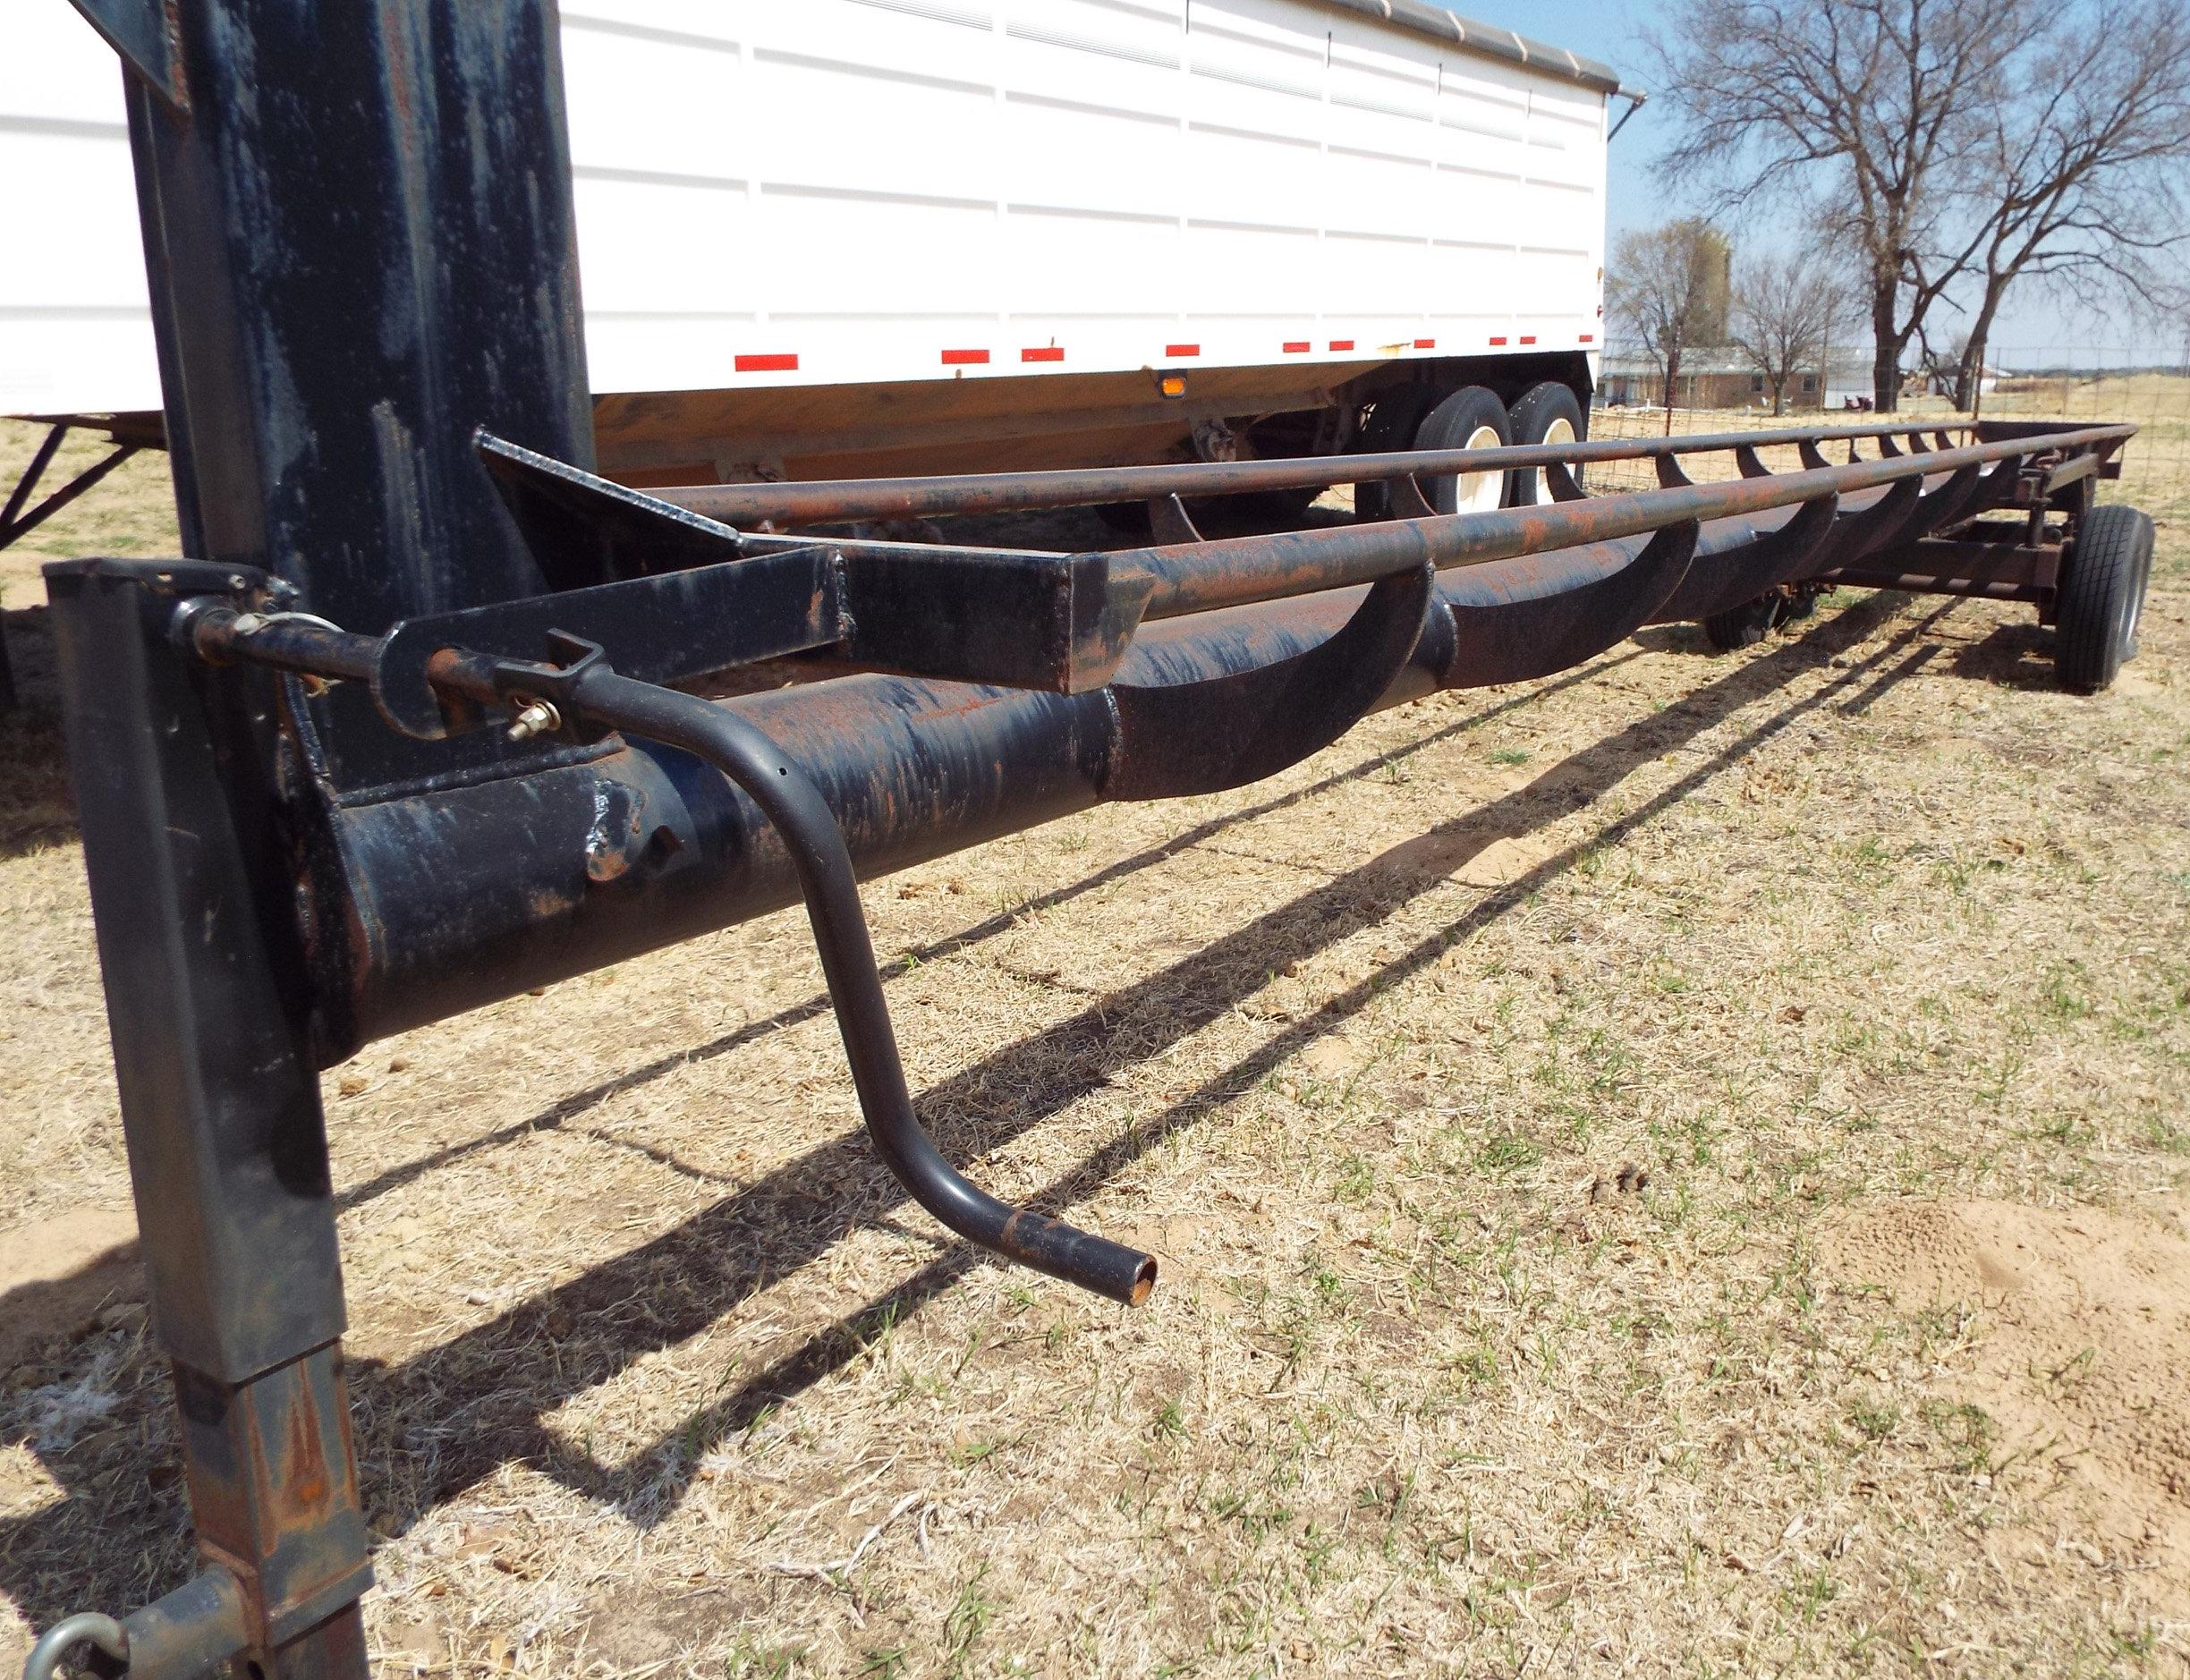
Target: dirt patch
(58, 1275)
(2079, 1356)
(646, 1631)
(1472, 855)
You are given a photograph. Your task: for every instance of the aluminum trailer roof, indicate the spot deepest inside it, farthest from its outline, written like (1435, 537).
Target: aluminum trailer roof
(1488, 40)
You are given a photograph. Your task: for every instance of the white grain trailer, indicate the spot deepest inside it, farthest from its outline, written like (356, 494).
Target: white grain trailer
(828, 238)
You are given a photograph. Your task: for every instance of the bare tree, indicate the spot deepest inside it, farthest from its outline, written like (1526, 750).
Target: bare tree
(1873, 105)
(1784, 311)
(2086, 161)
(1942, 367)
(1667, 290)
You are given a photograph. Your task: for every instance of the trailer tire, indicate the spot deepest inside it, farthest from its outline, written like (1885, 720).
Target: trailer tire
(1471, 418)
(1745, 625)
(2136, 615)
(2102, 596)
(1546, 413)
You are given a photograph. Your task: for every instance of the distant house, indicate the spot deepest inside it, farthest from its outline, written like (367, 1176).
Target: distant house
(1941, 381)
(1709, 378)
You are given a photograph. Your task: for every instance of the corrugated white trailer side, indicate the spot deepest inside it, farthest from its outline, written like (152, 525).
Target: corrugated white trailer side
(879, 204)
(75, 323)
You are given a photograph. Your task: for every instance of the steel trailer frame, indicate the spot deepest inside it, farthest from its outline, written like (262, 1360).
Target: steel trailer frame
(406, 734)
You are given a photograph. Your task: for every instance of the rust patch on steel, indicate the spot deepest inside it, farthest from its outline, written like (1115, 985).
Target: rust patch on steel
(301, 1484)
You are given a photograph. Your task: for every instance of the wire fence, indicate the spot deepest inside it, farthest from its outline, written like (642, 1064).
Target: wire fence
(2075, 385)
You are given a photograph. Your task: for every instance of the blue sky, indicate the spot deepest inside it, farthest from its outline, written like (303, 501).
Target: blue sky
(1612, 30)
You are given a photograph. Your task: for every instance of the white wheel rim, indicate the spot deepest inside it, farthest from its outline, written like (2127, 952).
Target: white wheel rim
(1559, 431)
(1479, 492)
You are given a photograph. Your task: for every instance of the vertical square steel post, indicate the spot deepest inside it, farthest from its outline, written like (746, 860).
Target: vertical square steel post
(185, 844)
(359, 235)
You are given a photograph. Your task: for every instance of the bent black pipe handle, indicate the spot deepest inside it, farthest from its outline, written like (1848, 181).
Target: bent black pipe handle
(794, 805)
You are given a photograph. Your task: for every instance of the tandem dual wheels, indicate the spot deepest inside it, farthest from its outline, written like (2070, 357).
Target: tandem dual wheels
(1469, 418)
(1404, 418)
(2098, 600)
(1745, 625)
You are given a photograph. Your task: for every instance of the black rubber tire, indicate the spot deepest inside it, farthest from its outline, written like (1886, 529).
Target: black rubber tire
(1745, 625)
(1390, 426)
(1534, 413)
(2137, 618)
(2101, 598)
(1467, 411)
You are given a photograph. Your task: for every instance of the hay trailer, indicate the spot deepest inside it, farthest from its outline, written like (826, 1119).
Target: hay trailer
(414, 728)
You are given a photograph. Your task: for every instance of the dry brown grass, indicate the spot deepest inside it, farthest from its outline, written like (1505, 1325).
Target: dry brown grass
(655, 1373)
(131, 513)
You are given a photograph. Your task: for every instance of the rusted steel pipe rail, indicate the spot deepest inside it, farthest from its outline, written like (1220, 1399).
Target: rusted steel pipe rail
(1228, 572)
(822, 502)
(1928, 584)
(1184, 578)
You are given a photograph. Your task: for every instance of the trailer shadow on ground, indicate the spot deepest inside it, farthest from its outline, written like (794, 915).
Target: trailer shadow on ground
(2018, 655)
(484, 1396)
